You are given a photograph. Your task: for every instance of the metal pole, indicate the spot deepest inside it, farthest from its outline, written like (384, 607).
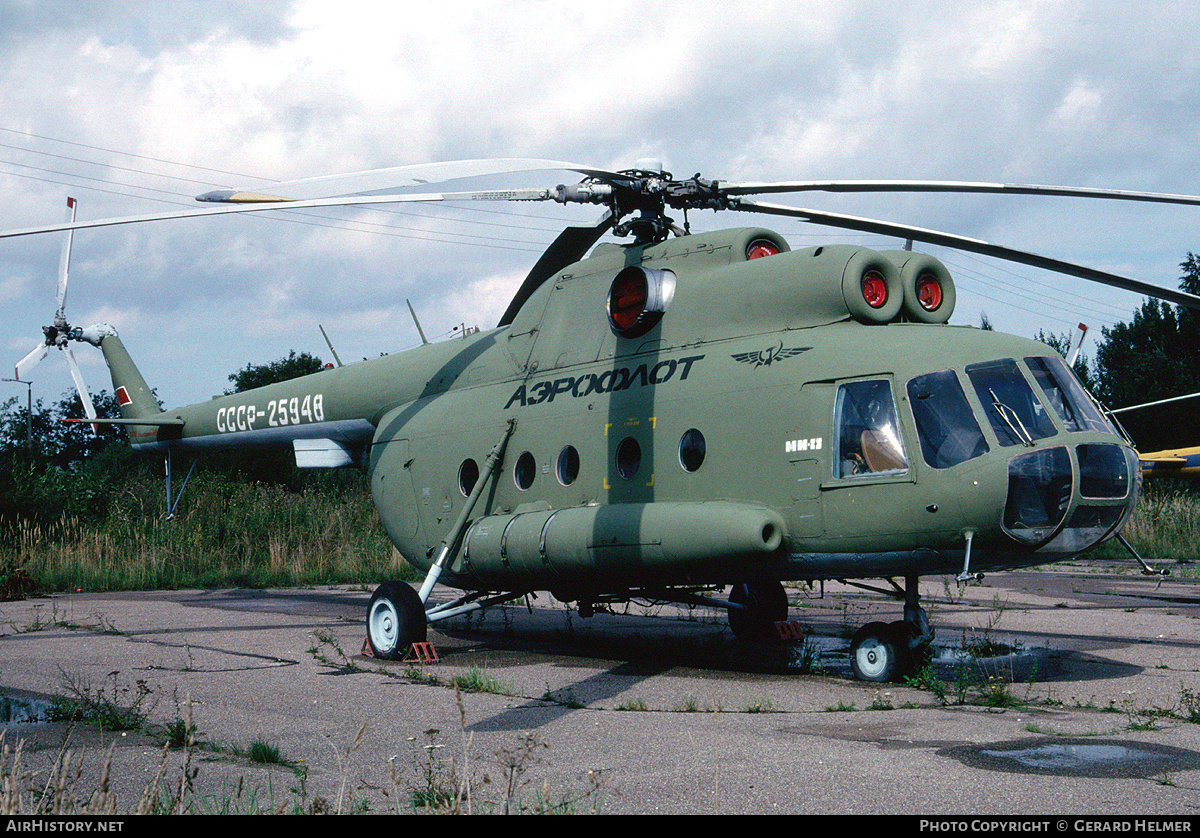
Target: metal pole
(435, 570)
(28, 409)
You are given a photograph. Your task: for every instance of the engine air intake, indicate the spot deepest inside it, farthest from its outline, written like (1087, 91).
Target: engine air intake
(871, 287)
(759, 248)
(638, 298)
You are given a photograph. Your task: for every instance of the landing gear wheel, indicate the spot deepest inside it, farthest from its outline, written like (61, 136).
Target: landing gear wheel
(879, 652)
(395, 620)
(916, 652)
(766, 604)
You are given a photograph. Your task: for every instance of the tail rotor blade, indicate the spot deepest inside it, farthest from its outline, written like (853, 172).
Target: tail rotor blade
(65, 260)
(89, 409)
(26, 364)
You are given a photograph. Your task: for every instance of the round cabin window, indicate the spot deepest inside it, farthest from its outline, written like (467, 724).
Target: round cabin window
(468, 476)
(629, 458)
(691, 450)
(567, 467)
(524, 471)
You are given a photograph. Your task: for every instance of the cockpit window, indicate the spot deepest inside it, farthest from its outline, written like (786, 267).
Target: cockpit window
(869, 442)
(1066, 396)
(1013, 410)
(946, 426)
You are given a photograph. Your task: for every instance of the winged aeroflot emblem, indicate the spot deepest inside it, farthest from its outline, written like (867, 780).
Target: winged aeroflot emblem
(765, 357)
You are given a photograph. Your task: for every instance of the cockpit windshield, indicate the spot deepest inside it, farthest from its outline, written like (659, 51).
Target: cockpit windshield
(946, 426)
(1067, 398)
(1012, 408)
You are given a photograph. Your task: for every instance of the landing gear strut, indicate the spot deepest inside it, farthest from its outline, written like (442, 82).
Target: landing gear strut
(882, 652)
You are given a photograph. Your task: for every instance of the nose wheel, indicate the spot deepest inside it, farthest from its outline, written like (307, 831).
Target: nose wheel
(882, 652)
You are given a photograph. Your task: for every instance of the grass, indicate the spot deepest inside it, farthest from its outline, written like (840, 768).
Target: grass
(1165, 527)
(564, 697)
(478, 680)
(439, 780)
(436, 782)
(444, 784)
(180, 733)
(225, 534)
(264, 753)
(762, 705)
(1189, 704)
(112, 705)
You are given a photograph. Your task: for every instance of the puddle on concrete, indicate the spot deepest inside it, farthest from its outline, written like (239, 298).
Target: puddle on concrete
(22, 711)
(1076, 758)
(835, 651)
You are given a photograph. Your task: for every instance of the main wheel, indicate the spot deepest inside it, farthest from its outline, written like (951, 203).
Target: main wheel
(395, 620)
(879, 653)
(766, 604)
(915, 644)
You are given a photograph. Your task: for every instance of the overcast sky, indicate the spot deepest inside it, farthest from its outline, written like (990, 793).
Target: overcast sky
(137, 107)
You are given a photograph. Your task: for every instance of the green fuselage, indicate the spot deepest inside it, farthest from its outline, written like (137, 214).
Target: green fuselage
(761, 429)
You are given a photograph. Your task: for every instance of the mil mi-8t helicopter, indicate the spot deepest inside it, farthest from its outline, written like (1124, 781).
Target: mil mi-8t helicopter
(676, 414)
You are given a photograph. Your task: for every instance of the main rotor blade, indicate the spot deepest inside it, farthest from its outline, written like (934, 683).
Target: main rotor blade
(26, 364)
(868, 225)
(353, 200)
(954, 186)
(388, 181)
(571, 245)
(1156, 403)
(65, 261)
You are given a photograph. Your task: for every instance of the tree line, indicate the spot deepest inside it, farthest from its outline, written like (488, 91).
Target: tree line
(51, 467)
(1153, 357)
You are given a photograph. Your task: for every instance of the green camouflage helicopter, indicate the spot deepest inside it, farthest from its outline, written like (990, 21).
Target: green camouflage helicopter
(674, 415)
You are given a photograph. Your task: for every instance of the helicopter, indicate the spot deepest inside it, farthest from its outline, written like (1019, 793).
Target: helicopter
(671, 415)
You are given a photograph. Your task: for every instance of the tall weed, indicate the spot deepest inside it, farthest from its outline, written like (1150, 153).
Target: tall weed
(1165, 526)
(225, 533)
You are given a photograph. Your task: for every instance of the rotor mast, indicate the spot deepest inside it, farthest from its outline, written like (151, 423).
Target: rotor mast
(647, 190)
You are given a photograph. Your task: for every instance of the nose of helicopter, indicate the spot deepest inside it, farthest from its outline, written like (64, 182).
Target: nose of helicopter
(1067, 499)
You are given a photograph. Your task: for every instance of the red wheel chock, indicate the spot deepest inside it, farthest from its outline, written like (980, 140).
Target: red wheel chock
(422, 652)
(789, 631)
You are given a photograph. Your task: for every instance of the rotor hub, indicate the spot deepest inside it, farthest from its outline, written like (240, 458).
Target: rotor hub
(648, 191)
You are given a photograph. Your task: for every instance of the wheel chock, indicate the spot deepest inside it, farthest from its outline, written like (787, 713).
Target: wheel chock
(789, 630)
(422, 652)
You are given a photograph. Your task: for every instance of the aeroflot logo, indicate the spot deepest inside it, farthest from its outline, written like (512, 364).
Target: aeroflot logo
(766, 357)
(609, 381)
